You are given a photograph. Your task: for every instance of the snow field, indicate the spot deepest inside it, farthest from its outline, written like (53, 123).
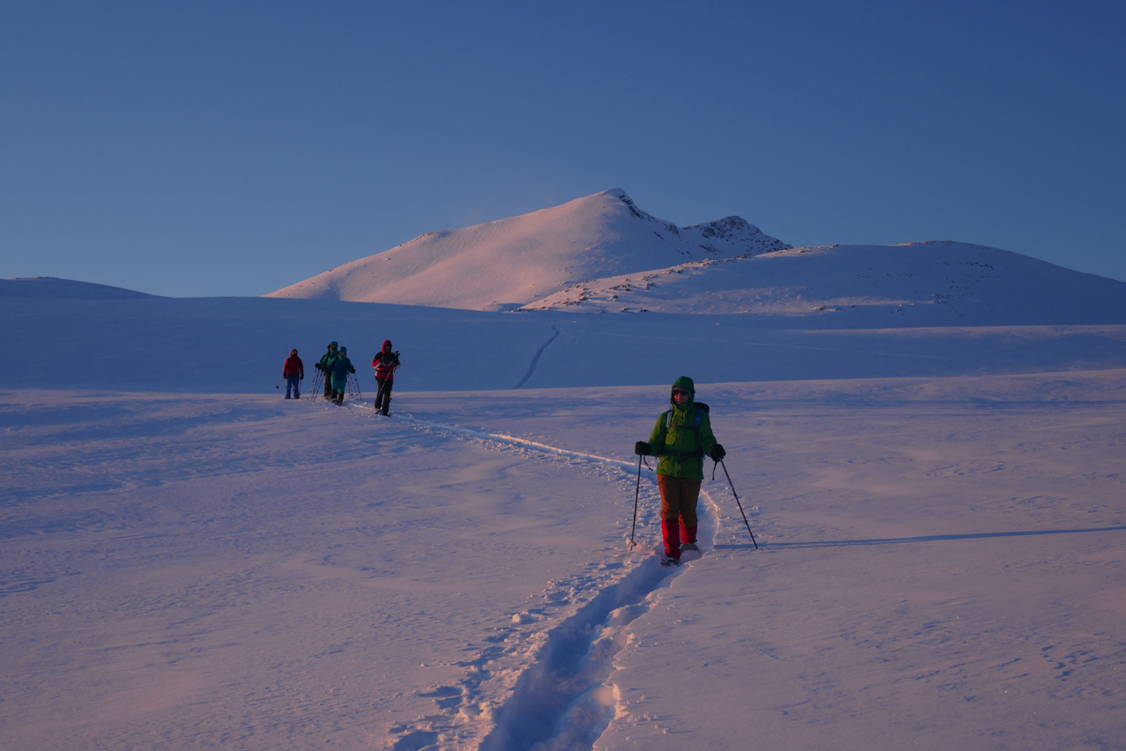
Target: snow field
(942, 564)
(238, 345)
(562, 700)
(264, 574)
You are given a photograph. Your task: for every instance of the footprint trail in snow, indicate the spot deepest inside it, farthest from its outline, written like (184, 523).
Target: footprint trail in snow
(555, 680)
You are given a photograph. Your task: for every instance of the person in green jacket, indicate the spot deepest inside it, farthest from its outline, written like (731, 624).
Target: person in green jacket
(680, 439)
(325, 366)
(340, 369)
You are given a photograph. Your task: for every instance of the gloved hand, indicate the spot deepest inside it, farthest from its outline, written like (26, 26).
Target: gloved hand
(318, 366)
(717, 453)
(641, 448)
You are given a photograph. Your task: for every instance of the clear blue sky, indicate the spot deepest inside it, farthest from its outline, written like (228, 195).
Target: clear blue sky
(231, 148)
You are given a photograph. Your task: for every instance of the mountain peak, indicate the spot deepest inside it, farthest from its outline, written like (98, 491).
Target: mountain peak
(509, 262)
(726, 226)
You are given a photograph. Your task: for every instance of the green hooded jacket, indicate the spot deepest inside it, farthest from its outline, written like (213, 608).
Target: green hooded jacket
(328, 358)
(682, 436)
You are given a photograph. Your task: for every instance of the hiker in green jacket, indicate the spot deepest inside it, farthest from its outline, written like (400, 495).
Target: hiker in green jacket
(340, 369)
(680, 439)
(325, 366)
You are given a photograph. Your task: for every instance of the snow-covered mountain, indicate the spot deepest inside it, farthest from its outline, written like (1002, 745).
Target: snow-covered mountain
(515, 261)
(914, 284)
(602, 253)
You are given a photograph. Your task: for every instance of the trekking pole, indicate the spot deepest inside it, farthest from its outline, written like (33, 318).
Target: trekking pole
(739, 504)
(636, 494)
(356, 388)
(317, 385)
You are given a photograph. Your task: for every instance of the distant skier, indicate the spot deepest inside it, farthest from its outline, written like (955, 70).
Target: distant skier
(385, 363)
(325, 366)
(293, 372)
(681, 438)
(341, 367)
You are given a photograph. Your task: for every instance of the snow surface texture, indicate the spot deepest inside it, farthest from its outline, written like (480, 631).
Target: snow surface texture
(942, 564)
(511, 262)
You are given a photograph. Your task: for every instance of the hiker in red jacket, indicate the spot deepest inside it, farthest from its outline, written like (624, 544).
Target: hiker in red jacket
(385, 362)
(293, 373)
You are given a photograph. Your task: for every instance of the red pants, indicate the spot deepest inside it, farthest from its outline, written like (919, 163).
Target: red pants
(678, 511)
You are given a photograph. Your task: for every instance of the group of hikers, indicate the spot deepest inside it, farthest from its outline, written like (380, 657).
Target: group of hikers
(336, 367)
(680, 439)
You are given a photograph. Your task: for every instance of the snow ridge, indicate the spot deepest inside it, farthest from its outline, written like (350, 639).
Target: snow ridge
(52, 287)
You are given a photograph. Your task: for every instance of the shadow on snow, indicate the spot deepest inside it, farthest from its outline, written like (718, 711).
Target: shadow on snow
(925, 538)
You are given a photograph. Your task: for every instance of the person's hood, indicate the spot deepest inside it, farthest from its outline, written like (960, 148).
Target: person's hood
(343, 350)
(684, 383)
(387, 345)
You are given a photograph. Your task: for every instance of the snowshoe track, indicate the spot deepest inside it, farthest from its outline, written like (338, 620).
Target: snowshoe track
(555, 680)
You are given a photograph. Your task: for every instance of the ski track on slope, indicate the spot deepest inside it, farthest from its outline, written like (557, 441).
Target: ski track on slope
(558, 697)
(536, 358)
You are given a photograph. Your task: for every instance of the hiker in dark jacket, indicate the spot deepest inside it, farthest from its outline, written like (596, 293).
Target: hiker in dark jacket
(325, 366)
(293, 372)
(341, 367)
(385, 362)
(680, 439)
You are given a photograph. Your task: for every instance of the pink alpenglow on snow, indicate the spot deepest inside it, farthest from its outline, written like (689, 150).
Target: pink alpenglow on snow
(512, 262)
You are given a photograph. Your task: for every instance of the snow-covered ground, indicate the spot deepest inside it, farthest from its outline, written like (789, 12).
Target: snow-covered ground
(190, 561)
(238, 345)
(941, 565)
